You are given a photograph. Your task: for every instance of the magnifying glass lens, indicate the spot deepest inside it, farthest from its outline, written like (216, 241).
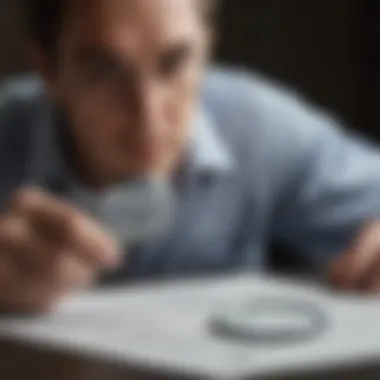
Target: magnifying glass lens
(139, 210)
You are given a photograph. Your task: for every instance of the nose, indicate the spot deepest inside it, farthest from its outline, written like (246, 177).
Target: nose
(148, 106)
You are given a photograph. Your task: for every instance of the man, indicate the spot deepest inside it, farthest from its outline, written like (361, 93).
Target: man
(126, 90)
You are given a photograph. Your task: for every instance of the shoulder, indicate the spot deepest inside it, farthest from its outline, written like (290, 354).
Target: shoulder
(19, 93)
(259, 101)
(20, 99)
(256, 104)
(272, 123)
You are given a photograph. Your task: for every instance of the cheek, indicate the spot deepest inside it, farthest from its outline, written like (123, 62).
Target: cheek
(96, 118)
(183, 96)
(177, 123)
(90, 110)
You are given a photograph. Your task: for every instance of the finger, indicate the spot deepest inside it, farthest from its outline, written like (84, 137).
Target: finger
(27, 301)
(7, 272)
(362, 257)
(67, 274)
(27, 293)
(23, 295)
(16, 241)
(70, 272)
(371, 282)
(21, 245)
(374, 285)
(92, 242)
(17, 292)
(337, 270)
(61, 223)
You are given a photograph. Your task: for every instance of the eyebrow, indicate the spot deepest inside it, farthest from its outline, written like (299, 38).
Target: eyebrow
(181, 48)
(86, 55)
(89, 55)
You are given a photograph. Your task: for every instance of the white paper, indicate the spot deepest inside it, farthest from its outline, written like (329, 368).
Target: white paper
(167, 327)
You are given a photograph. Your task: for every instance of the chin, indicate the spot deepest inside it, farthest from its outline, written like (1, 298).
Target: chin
(138, 170)
(144, 166)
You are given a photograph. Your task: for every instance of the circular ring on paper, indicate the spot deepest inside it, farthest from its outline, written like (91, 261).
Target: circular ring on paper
(271, 321)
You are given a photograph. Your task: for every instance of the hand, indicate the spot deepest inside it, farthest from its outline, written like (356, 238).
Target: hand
(47, 248)
(359, 267)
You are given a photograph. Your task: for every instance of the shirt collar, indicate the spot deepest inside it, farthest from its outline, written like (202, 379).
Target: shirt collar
(208, 153)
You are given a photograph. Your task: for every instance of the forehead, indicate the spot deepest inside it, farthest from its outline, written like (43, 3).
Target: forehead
(131, 23)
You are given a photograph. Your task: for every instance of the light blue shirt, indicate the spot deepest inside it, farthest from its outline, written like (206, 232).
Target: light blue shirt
(264, 165)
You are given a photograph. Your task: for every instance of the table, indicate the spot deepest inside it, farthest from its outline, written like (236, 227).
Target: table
(22, 359)
(18, 362)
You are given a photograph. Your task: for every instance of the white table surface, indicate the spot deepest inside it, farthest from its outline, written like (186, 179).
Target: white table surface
(165, 326)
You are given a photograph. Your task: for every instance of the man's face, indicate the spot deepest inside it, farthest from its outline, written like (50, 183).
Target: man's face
(128, 73)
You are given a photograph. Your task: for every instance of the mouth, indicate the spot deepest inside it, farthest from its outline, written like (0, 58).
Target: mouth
(141, 151)
(146, 150)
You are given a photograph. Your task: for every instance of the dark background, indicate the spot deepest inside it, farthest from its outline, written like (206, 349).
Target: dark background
(328, 49)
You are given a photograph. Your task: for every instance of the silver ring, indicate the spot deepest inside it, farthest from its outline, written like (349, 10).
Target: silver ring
(240, 325)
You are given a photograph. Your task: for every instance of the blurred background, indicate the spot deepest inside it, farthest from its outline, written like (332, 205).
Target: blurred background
(327, 49)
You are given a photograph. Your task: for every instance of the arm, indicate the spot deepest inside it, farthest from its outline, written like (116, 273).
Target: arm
(330, 193)
(317, 185)
(333, 188)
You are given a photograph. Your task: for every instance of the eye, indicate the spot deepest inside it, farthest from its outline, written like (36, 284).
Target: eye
(173, 60)
(104, 71)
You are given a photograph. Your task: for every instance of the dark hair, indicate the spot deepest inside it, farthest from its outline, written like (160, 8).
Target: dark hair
(44, 19)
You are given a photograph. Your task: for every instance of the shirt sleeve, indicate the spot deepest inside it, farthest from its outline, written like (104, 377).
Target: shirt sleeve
(329, 187)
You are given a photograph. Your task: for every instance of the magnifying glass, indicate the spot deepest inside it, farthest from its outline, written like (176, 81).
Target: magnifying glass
(271, 321)
(139, 210)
